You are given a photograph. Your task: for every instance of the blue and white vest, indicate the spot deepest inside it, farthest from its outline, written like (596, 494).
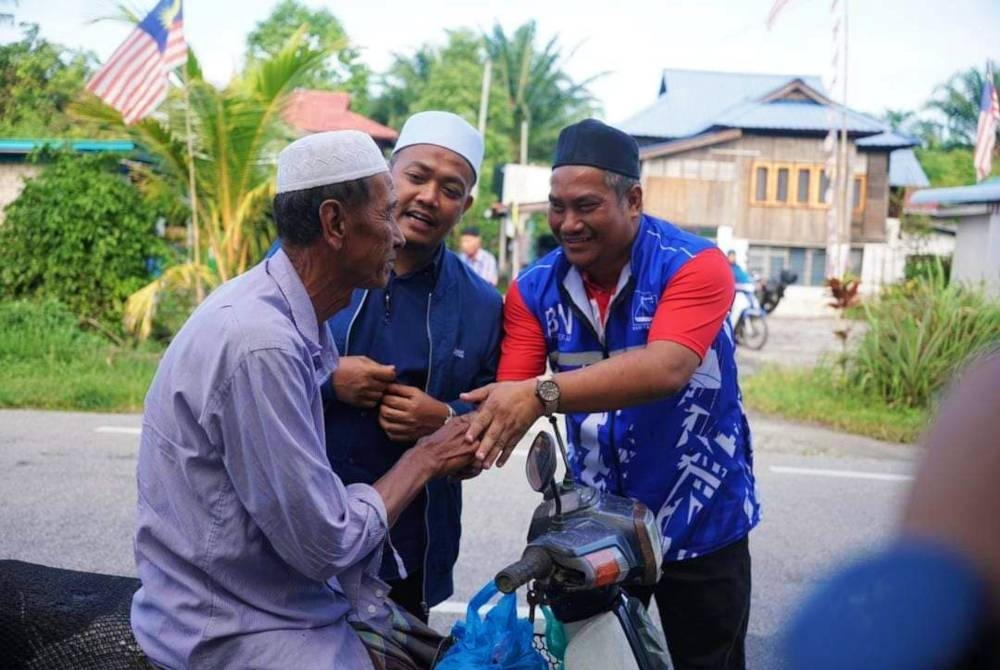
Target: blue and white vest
(687, 457)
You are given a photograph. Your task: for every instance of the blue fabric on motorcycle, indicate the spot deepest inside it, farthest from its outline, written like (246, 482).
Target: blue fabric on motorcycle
(499, 641)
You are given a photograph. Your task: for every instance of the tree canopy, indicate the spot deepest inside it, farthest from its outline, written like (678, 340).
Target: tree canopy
(343, 70)
(38, 80)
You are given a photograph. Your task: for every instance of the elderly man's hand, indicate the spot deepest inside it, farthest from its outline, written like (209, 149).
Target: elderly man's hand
(447, 450)
(360, 382)
(407, 413)
(506, 412)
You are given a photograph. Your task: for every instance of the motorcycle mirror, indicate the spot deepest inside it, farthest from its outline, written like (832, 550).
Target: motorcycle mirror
(541, 465)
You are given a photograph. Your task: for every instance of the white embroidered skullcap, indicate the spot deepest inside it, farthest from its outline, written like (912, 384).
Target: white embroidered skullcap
(328, 158)
(447, 130)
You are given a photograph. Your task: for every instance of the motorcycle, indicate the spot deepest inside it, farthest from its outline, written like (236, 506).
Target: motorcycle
(584, 548)
(770, 291)
(747, 318)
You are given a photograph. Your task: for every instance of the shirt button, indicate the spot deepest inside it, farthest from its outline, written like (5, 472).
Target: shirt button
(371, 609)
(379, 593)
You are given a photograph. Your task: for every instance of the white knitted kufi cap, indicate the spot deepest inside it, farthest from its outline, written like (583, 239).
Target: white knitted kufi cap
(328, 158)
(443, 129)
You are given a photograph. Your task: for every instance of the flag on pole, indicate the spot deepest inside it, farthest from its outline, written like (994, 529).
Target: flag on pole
(776, 8)
(134, 80)
(986, 135)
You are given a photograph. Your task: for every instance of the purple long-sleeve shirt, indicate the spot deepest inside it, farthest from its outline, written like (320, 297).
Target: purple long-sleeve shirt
(251, 551)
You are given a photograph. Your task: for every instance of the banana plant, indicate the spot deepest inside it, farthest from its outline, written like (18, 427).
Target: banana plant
(236, 132)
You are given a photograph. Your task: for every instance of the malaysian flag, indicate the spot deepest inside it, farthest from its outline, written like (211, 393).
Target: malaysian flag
(134, 80)
(986, 135)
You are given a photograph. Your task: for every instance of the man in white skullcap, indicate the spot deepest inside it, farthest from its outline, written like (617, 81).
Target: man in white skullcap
(409, 349)
(251, 551)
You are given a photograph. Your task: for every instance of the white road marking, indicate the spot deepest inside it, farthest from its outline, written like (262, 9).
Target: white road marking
(121, 430)
(848, 474)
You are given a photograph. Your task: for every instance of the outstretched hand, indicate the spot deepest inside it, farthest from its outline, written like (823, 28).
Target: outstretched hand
(506, 412)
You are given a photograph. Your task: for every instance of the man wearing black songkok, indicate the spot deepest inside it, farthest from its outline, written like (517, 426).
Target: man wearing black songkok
(631, 312)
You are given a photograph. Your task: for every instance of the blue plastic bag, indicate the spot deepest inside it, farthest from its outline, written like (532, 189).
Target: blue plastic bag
(498, 641)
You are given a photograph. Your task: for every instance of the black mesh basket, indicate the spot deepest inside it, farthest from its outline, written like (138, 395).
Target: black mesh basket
(62, 619)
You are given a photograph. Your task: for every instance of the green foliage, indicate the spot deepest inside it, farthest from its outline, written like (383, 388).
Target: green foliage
(536, 89)
(324, 32)
(820, 395)
(919, 334)
(79, 233)
(958, 100)
(238, 132)
(38, 79)
(46, 361)
(450, 77)
(949, 167)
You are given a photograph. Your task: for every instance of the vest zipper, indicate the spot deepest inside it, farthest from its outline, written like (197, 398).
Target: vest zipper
(350, 326)
(427, 493)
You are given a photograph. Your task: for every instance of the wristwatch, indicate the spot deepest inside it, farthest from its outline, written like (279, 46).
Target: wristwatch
(547, 391)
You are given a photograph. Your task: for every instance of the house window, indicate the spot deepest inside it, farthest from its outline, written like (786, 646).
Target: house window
(760, 186)
(858, 195)
(804, 180)
(823, 194)
(798, 185)
(781, 192)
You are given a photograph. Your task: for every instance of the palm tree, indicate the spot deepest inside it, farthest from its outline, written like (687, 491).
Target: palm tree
(958, 100)
(540, 96)
(236, 131)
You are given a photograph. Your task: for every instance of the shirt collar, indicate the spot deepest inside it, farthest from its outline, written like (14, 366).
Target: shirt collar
(434, 267)
(317, 338)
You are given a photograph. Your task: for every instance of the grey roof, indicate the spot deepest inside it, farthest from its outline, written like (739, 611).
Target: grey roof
(905, 170)
(888, 140)
(793, 115)
(987, 191)
(693, 98)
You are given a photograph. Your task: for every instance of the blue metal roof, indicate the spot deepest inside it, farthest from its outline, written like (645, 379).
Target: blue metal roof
(984, 192)
(26, 146)
(794, 115)
(888, 140)
(690, 100)
(905, 170)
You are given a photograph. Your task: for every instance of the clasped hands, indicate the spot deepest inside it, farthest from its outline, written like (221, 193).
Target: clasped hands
(407, 414)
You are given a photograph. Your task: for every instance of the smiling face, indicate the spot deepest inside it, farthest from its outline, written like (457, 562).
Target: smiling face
(433, 185)
(594, 226)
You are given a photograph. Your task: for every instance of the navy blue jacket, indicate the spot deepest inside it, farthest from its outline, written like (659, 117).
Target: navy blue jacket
(464, 325)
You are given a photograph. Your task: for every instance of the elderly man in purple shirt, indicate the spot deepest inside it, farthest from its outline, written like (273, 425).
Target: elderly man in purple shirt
(252, 553)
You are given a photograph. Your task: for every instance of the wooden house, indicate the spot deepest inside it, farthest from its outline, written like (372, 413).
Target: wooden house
(741, 158)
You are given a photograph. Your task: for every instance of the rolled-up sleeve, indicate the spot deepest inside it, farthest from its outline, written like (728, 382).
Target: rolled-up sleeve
(274, 454)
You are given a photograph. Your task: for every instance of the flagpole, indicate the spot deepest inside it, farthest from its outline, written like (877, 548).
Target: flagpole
(192, 190)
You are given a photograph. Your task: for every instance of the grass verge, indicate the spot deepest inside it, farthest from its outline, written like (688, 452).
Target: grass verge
(814, 395)
(47, 362)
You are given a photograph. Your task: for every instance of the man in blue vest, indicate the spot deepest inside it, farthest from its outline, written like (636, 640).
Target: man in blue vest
(630, 311)
(408, 350)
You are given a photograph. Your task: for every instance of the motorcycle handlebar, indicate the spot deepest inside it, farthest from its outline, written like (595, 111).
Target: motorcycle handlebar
(534, 564)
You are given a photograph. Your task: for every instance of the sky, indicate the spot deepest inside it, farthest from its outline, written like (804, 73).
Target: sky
(898, 50)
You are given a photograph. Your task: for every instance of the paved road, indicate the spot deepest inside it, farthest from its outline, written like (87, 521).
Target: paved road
(67, 492)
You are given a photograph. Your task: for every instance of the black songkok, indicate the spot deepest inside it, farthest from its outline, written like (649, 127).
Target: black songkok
(598, 145)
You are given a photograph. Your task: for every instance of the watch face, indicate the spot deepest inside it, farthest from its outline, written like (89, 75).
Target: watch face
(548, 391)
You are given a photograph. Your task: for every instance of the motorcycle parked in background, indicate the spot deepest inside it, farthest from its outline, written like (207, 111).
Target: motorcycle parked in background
(584, 546)
(771, 291)
(747, 318)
